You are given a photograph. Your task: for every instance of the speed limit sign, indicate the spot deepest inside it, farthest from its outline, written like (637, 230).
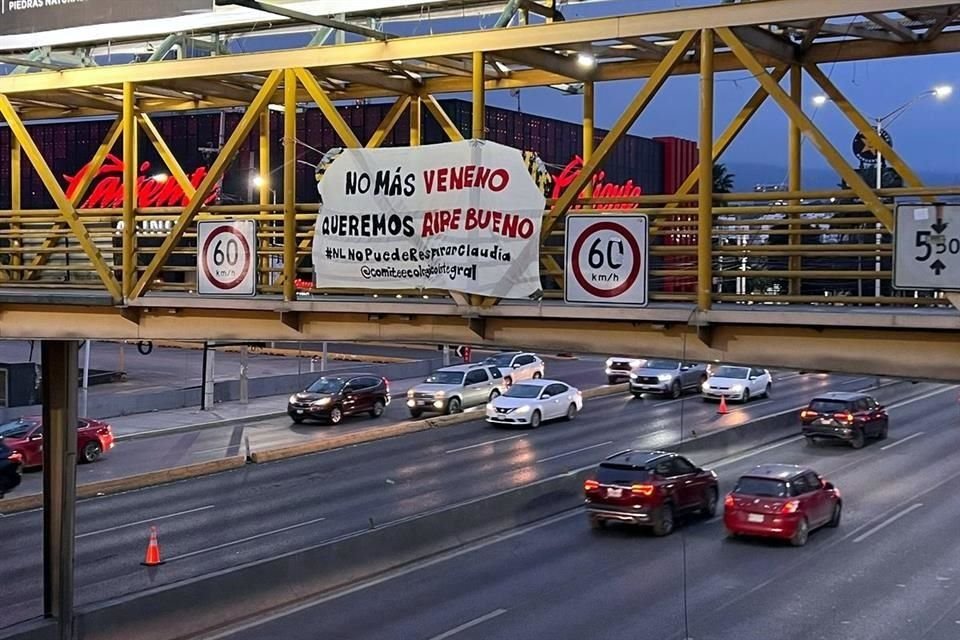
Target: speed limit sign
(227, 257)
(606, 260)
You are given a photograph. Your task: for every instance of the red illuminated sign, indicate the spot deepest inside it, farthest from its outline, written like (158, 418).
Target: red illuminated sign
(601, 189)
(107, 189)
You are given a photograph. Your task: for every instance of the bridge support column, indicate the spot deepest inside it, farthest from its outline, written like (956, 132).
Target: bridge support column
(705, 187)
(589, 102)
(59, 362)
(415, 121)
(267, 197)
(130, 169)
(16, 180)
(289, 184)
(795, 146)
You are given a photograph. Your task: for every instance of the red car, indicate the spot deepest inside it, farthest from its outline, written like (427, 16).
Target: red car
(25, 436)
(781, 501)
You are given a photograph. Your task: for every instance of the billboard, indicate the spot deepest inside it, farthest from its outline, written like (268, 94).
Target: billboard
(33, 16)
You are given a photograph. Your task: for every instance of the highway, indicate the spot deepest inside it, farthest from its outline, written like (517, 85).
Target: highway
(216, 522)
(891, 571)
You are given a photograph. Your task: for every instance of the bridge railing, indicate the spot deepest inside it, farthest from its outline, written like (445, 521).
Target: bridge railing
(773, 248)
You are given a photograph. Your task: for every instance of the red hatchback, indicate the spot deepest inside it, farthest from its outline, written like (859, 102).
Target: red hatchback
(25, 436)
(781, 501)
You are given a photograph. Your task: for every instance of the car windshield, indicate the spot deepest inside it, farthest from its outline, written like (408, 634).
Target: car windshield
(445, 377)
(15, 429)
(501, 360)
(764, 487)
(662, 364)
(327, 385)
(523, 391)
(828, 406)
(732, 372)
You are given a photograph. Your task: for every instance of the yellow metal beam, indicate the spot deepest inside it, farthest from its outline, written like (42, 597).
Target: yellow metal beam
(169, 159)
(619, 129)
(389, 122)
(66, 207)
(479, 97)
(705, 201)
(589, 102)
(730, 133)
(16, 191)
(794, 162)
(836, 96)
(290, 184)
(326, 105)
(806, 125)
(130, 165)
(449, 128)
(266, 194)
(226, 156)
(416, 120)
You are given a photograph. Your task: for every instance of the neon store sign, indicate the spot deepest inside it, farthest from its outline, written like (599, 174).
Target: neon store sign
(152, 190)
(601, 189)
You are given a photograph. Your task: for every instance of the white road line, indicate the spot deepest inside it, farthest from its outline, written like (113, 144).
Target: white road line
(887, 522)
(935, 392)
(470, 624)
(133, 524)
(570, 453)
(242, 540)
(860, 379)
(393, 575)
(902, 440)
(483, 444)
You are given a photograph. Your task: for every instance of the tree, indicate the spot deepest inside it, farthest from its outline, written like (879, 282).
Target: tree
(722, 179)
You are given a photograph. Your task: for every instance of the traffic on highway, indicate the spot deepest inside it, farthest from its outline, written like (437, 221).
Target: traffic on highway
(211, 523)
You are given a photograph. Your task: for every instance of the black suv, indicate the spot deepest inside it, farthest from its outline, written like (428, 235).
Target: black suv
(10, 469)
(850, 417)
(332, 397)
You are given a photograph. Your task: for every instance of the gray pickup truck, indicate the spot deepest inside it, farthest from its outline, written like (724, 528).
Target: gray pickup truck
(667, 377)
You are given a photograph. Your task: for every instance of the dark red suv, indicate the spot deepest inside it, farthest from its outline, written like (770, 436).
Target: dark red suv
(333, 397)
(849, 417)
(649, 488)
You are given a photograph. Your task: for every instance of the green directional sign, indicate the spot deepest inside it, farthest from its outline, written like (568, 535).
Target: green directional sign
(926, 247)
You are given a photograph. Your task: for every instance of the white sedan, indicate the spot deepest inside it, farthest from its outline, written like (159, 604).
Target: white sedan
(737, 383)
(516, 366)
(531, 402)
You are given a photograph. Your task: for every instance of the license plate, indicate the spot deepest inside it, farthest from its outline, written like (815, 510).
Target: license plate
(300, 411)
(824, 420)
(754, 517)
(614, 492)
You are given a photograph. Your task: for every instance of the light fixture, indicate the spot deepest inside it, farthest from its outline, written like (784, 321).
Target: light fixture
(942, 91)
(258, 181)
(819, 100)
(160, 177)
(586, 59)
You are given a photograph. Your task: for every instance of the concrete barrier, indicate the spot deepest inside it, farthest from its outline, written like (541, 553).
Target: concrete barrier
(190, 608)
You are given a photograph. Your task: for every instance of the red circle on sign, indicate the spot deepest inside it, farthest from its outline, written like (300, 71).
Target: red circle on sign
(631, 278)
(230, 284)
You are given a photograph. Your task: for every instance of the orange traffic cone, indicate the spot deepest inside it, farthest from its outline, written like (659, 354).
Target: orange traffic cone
(152, 558)
(722, 410)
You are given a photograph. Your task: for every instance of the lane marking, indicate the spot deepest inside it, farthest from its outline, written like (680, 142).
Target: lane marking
(743, 456)
(242, 540)
(901, 441)
(570, 453)
(887, 522)
(393, 575)
(935, 392)
(483, 444)
(148, 520)
(470, 624)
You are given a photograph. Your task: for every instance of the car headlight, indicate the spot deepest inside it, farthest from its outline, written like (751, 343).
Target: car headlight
(292, 399)
(664, 377)
(489, 406)
(609, 362)
(635, 363)
(634, 376)
(322, 402)
(438, 404)
(439, 394)
(705, 386)
(524, 409)
(410, 393)
(737, 388)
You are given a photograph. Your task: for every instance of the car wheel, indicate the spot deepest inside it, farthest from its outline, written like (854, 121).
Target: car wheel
(91, 451)
(835, 518)
(746, 396)
(611, 380)
(571, 411)
(537, 375)
(597, 523)
(415, 413)
(675, 389)
(336, 415)
(377, 410)
(883, 430)
(710, 503)
(766, 392)
(494, 395)
(857, 441)
(812, 442)
(535, 419)
(663, 526)
(508, 381)
(453, 406)
(801, 535)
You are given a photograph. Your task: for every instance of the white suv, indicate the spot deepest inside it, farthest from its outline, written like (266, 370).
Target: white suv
(516, 366)
(452, 389)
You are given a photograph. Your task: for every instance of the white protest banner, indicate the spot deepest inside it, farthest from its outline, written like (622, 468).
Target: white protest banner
(462, 216)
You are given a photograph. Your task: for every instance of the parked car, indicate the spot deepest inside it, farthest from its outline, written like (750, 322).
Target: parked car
(649, 488)
(11, 464)
(737, 383)
(781, 501)
(533, 401)
(331, 398)
(849, 417)
(25, 437)
(618, 368)
(516, 366)
(452, 389)
(667, 377)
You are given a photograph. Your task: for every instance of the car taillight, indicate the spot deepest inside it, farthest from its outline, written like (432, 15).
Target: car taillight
(104, 431)
(15, 456)
(642, 489)
(790, 507)
(728, 501)
(807, 413)
(845, 416)
(591, 485)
